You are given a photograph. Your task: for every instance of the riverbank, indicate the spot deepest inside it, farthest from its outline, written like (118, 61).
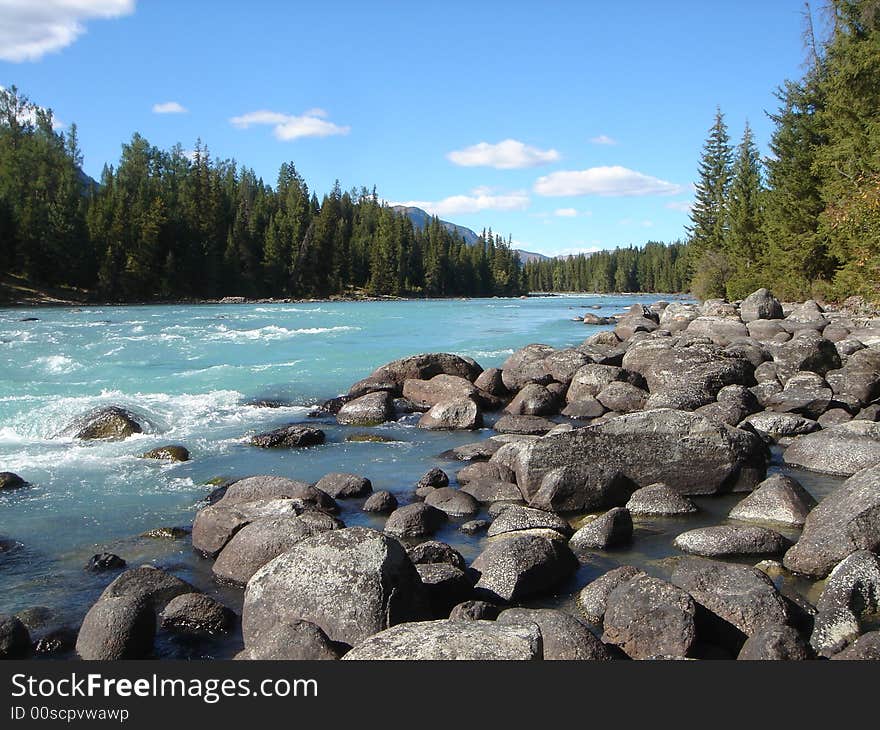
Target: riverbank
(526, 522)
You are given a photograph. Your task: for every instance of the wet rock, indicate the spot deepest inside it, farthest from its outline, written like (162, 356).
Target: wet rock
(659, 500)
(368, 410)
(595, 319)
(109, 424)
(841, 450)
(291, 640)
(612, 529)
(779, 643)
(393, 375)
(434, 551)
(453, 502)
(474, 527)
(780, 425)
(524, 425)
(57, 641)
(35, 617)
(521, 566)
(516, 518)
(10, 481)
(760, 304)
(103, 562)
(148, 583)
(15, 641)
(166, 533)
(435, 478)
(622, 397)
(415, 520)
(167, 453)
(593, 597)
(352, 583)
(256, 544)
(475, 611)
(444, 586)
(196, 613)
(457, 415)
(647, 617)
(778, 498)
(526, 366)
(739, 594)
(846, 520)
(565, 637)
(117, 627)
(369, 438)
(533, 400)
(342, 486)
(288, 437)
(702, 457)
(478, 451)
(447, 639)
(380, 502)
(728, 540)
(264, 488)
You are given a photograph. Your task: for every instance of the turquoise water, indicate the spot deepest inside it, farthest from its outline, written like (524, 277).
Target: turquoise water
(191, 371)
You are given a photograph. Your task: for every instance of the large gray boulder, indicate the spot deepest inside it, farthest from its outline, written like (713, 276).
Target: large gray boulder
(842, 450)
(110, 423)
(779, 499)
(721, 330)
(444, 388)
(370, 409)
(196, 613)
(741, 595)
(524, 425)
(147, 583)
(804, 393)
(288, 437)
(563, 364)
(729, 540)
(215, 525)
(775, 643)
(688, 376)
(648, 617)
(806, 351)
(612, 529)
(393, 375)
(520, 567)
(454, 502)
(685, 451)
(457, 415)
(266, 487)
(516, 518)
(778, 425)
(590, 379)
(566, 637)
(340, 485)
(845, 521)
(352, 583)
(415, 520)
(593, 597)
(760, 304)
(533, 400)
(525, 366)
(117, 627)
(291, 640)
(447, 639)
(659, 500)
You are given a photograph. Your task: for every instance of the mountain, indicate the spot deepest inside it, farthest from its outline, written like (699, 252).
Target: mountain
(421, 218)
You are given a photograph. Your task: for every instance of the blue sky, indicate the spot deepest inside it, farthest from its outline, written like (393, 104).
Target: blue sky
(570, 125)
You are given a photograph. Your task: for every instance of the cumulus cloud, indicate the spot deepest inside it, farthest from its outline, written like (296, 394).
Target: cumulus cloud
(287, 127)
(683, 206)
(478, 200)
(29, 29)
(510, 154)
(603, 139)
(169, 107)
(611, 181)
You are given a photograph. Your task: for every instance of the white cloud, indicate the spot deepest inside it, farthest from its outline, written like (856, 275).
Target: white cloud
(312, 123)
(613, 181)
(509, 154)
(603, 139)
(565, 213)
(480, 199)
(683, 206)
(29, 29)
(169, 107)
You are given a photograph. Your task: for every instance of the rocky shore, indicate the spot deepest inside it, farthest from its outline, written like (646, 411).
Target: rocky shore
(677, 402)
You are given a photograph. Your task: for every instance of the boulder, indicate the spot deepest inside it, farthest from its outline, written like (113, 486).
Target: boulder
(595, 319)
(833, 631)
(779, 499)
(834, 417)
(493, 490)
(764, 330)
(842, 450)
(433, 551)
(779, 643)
(435, 478)
(475, 611)
(760, 304)
(117, 627)
(805, 393)
(720, 330)
(648, 617)
(622, 397)
(516, 518)
(520, 567)
(112, 423)
(566, 637)
(687, 452)
(367, 410)
(447, 639)
(153, 585)
(593, 597)
(482, 470)
(415, 520)
(778, 425)
(453, 502)
(265, 487)
(341, 486)
(587, 408)
(807, 351)
(102, 562)
(352, 583)
(443, 587)
(256, 544)
(445, 388)
(393, 375)
(612, 529)
(381, 502)
(590, 379)
(729, 540)
(524, 425)
(167, 453)
(15, 641)
(525, 366)
(291, 640)
(491, 381)
(866, 647)
(474, 527)
(196, 613)
(739, 594)
(457, 415)
(563, 364)
(533, 400)
(10, 481)
(659, 500)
